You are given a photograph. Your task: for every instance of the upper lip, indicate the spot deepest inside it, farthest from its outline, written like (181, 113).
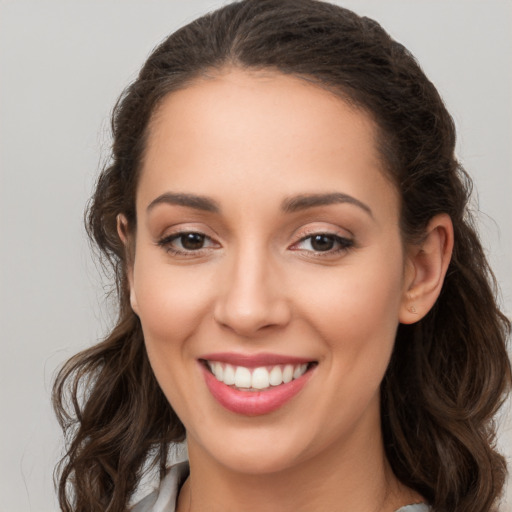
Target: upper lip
(254, 360)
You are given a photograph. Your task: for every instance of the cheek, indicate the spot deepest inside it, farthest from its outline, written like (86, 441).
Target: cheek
(355, 308)
(354, 313)
(171, 308)
(355, 293)
(171, 300)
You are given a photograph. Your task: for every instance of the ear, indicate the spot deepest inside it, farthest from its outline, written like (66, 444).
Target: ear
(124, 235)
(426, 266)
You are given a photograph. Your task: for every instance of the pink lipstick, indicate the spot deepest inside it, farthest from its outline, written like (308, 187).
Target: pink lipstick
(257, 384)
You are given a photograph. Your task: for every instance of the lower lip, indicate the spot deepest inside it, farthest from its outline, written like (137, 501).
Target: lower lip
(253, 403)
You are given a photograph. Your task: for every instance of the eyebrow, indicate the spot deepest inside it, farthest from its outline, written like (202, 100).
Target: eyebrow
(289, 205)
(305, 201)
(189, 200)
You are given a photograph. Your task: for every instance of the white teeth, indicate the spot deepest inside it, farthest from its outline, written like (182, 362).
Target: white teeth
(299, 370)
(218, 371)
(229, 375)
(288, 373)
(242, 377)
(260, 378)
(276, 376)
(257, 378)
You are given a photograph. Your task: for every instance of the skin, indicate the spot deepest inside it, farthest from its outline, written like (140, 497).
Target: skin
(249, 141)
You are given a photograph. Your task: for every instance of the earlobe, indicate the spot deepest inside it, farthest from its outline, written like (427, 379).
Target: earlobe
(122, 231)
(427, 263)
(133, 301)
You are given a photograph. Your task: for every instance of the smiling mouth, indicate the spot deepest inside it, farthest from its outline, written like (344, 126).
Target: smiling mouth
(258, 378)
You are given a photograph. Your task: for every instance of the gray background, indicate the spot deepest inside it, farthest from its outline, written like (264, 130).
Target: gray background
(62, 65)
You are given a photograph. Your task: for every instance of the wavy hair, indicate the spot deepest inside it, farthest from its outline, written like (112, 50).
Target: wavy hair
(448, 373)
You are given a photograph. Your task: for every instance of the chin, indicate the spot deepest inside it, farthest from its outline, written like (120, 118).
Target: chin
(256, 451)
(256, 461)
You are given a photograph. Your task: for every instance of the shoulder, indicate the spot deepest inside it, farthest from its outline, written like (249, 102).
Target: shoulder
(164, 498)
(418, 507)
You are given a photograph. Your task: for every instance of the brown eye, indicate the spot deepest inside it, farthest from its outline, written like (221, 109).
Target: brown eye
(322, 242)
(187, 243)
(192, 241)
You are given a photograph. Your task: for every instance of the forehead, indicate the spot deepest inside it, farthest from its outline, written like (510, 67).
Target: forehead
(257, 105)
(268, 131)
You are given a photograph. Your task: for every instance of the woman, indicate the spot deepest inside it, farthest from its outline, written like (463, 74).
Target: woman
(302, 294)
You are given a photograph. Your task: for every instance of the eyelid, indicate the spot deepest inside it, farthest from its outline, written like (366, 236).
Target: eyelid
(182, 228)
(322, 229)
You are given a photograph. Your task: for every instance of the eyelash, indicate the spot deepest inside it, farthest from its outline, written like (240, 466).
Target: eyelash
(167, 241)
(344, 244)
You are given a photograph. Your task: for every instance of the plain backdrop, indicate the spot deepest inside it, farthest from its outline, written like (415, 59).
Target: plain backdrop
(62, 66)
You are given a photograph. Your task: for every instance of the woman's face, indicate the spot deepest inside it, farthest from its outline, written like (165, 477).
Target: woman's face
(267, 249)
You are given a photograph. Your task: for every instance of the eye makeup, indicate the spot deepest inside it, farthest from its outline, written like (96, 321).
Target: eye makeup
(195, 243)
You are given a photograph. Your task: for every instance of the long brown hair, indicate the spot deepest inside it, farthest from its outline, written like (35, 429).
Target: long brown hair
(448, 373)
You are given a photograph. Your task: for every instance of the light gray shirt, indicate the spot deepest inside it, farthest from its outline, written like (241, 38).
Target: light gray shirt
(164, 498)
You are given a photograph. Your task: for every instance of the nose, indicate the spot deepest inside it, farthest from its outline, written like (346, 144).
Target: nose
(251, 298)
